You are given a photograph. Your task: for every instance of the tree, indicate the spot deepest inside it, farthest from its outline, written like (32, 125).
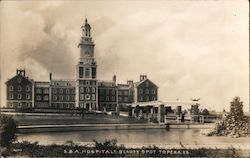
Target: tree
(8, 130)
(205, 112)
(235, 123)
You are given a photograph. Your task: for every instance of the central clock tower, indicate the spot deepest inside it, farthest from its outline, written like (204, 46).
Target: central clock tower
(86, 85)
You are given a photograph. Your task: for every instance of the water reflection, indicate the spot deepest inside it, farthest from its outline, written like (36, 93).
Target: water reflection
(148, 136)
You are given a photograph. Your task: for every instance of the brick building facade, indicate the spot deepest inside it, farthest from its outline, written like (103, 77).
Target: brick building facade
(83, 92)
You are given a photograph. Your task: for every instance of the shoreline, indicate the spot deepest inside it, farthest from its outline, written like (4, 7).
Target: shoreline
(93, 127)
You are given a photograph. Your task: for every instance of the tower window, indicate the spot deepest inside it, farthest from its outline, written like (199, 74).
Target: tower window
(87, 90)
(87, 72)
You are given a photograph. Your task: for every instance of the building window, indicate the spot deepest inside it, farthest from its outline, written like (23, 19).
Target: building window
(101, 91)
(107, 98)
(93, 89)
(19, 105)
(11, 105)
(81, 89)
(73, 98)
(87, 97)
(19, 88)
(61, 91)
(153, 91)
(19, 80)
(67, 91)
(28, 105)
(67, 106)
(113, 92)
(87, 90)
(61, 97)
(140, 98)
(54, 91)
(147, 91)
(93, 96)
(120, 92)
(119, 99)
(54, 97)
(27, 96)
(11, 95)
(113, 98)
(38, 91)
(126, 92)
(140, 91)
(73, 91)
(81, 96)
(147, 98)
(125, 99)
(46, 91)
(87, 82)
(19, 96)
(11, 88)
(87, 72)
(153, 98)
(67, 97)
(38, 97)
(46, 98)
(27, 88)
(107, 91)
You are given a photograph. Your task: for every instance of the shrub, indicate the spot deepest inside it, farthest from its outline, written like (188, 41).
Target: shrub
(8, 130)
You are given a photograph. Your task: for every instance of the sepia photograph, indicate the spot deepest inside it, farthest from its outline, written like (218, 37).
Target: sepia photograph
(124, 78)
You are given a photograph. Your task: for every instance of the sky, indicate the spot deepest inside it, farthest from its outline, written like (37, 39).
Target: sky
(190, 49)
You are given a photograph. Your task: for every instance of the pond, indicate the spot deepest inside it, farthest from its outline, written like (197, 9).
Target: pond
(134, 138)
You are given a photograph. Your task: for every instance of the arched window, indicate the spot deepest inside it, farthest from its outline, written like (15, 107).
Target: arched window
(27, 88)
(19, 88)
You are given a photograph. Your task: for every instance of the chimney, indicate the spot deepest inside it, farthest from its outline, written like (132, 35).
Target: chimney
(145, 77)
(50, 76)
(17, 71)
(24, 72)
(141, 77)
(114, 78)
(129, 82)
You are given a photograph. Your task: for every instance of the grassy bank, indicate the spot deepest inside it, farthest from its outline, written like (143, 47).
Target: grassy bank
(109, 148)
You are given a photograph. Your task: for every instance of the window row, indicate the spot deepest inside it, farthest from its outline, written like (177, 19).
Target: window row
(40, 90)
(45, 98)
(107, 91)
(20, 105)
(125, 99)
(124, 92)
(147, 91)
(19, 88)
(61, 91)
(19, 96)
(61, 98)
(147, 98)
(87, 97)
(87, 89)
(107, 98)
(88, 83)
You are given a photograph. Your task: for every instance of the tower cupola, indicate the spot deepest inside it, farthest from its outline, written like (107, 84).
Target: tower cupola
(86, 29)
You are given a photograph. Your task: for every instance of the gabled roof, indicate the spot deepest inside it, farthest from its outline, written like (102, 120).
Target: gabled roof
(140, 82)
(24, 77)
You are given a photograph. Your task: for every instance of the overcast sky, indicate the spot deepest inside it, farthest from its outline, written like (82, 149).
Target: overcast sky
(190, 49)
